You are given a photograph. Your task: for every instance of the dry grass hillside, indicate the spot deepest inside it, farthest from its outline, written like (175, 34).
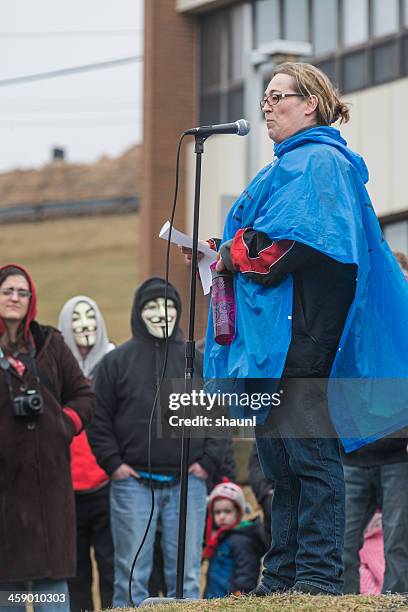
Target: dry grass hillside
(61, 181)
(95, 256)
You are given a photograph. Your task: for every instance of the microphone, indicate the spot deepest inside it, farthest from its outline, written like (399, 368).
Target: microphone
(240, 127)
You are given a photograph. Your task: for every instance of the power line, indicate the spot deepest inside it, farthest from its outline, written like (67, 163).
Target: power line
(61, 109)
(87, 122)
(71, 103)
(67, 71)
(80, 115)
(72, 33)
(71, 116)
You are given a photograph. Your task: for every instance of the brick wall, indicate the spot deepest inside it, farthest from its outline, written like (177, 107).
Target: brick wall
(170, 107)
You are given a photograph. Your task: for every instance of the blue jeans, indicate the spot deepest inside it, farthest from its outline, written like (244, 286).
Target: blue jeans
(368, 488)
(130, 509)
(45, 587)
(307, 508)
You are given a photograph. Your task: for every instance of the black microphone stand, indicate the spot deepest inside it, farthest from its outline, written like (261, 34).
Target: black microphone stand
(188, 374)
(188, 386)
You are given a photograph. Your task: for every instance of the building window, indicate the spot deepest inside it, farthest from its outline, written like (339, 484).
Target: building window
(236, 35)
(281, 19)
(355, 71)
(405, 55)
(267, 21)
(346, 41)
(212, 60)
(355, 22)
(210, 108)
(296, 20)
(385, 17)
(329, 69)
(325, 26)
(396, 234)
(221, 66)
(235, 98)
(385, 63)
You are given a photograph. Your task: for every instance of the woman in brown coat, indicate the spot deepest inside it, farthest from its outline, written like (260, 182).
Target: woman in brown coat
(44, 402)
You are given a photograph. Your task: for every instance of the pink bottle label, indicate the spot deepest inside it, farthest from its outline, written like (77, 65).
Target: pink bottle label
(223, 310)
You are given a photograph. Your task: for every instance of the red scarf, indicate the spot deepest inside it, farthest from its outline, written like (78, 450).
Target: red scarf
(212, 539)
(17, 365)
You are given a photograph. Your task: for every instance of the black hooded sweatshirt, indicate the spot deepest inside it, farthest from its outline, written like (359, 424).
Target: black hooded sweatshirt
(125, 385)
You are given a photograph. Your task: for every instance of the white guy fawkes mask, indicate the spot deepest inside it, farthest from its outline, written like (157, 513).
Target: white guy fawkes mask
(84, 325)
(154, 317)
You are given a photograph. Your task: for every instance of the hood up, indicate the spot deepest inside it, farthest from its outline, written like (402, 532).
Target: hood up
(150, 290)
(102, 344)
(324, 135)
(32, 308)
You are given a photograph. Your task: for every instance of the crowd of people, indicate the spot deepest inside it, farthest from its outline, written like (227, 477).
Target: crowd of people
(110, 481)
(82, 446)
(101, 475)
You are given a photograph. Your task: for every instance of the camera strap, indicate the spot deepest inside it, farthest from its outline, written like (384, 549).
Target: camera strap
(29, 361)
(31, 365)
(5, 365)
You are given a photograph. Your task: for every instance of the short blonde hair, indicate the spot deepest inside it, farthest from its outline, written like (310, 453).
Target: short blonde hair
(310, 81)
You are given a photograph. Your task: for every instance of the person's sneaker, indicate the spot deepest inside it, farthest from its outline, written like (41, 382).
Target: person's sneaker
(302, 588)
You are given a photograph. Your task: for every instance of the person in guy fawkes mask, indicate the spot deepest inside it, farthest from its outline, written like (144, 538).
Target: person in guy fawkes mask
(125, 385)
(84, 331)
(83, 327)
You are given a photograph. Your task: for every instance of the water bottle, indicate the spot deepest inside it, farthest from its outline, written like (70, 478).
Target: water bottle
(223, 306)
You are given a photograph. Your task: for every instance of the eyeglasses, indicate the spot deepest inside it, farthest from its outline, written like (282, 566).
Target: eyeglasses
(21, 293)
(274, 98)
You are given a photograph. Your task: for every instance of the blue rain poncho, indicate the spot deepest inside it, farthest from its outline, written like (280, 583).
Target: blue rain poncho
(314, 193)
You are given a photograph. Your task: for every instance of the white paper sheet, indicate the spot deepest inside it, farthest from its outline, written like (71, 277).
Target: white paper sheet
(210, 256)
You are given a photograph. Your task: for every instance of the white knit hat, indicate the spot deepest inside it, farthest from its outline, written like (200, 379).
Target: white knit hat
(228, 490)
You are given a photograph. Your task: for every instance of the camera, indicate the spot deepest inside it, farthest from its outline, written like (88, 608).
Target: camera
(28, 405)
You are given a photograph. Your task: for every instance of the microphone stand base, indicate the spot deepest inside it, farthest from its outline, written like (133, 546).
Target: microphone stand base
(162, 601)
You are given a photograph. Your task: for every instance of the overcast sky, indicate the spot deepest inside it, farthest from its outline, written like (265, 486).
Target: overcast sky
(90, 113)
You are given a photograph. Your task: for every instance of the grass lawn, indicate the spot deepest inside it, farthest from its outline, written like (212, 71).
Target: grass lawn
(94, 256)
(289, 603)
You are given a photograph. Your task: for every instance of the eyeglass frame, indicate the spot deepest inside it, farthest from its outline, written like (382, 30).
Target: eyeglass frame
(21, 293)
(281, 96)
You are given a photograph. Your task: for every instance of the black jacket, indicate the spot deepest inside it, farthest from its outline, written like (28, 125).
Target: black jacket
(125, 385)
(382, 452)
(323, 290)
(236, 563)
